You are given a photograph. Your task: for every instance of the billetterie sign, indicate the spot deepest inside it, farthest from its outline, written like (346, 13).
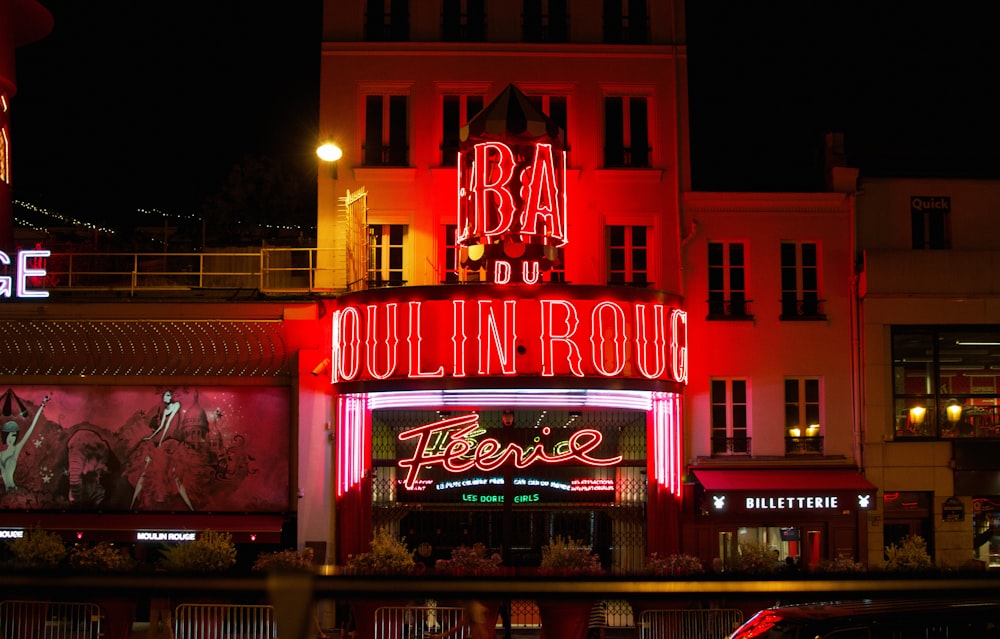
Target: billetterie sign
(508, 331)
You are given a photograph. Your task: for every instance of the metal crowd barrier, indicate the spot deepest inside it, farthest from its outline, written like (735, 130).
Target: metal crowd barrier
(49, 620)
(710, 623)
(414, 622)
(224, 621)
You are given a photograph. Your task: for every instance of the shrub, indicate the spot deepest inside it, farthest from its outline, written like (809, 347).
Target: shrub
(387, 556)
(211, 552)
(38, 549)
(102, 557)
(756, 558)
(284, 560)
(910, 554)
(840, 565)
(673, 565)
(470, 560)
(569, 556)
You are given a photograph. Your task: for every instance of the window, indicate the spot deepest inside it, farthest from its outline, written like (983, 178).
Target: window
(387, 21)
(800, 281)
(545, 21)
(456, 110)
(386, 130)
(626, 132)
(730, 428)
(553, 106)
(945, 383)
(385, 254)
(727, 296)
(449, 254)
(625, 22)
(463, 21)
(802, 416)
(931, 220)
(627, 255)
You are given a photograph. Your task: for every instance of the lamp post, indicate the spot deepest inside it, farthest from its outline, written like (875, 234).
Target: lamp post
(331, 153)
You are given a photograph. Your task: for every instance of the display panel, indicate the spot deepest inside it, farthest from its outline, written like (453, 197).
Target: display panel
(145, 449)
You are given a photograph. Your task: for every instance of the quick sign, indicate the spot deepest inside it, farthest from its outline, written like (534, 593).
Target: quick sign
(552, 331)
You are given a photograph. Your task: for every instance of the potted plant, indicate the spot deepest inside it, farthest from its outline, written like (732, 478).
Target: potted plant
(909, 556)
(387, 555)
(119, 613)
(37, 549)
(294, 572)
(474, 560)
(212, 551)
(676, 565)
(470, 560)
(567, 557)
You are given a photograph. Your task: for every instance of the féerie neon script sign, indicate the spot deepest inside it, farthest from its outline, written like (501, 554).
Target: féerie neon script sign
(454, 444)
(25, 266)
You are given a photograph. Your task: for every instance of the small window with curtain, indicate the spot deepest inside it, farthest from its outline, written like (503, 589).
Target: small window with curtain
(626, 22)
(800, 294)
(626, 132)
(545, 21)
(463, 20)
(456, 111)
(386, 253)
(803, 426)
(730, 417)
(727, 295)
(386, 140)
(387, 20)
(628, 255)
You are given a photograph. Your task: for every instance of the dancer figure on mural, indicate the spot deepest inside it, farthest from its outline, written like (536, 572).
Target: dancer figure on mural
(12, 450)
(157, 450)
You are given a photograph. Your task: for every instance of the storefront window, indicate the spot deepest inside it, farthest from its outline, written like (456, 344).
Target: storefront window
(445, 500)
(944, 382)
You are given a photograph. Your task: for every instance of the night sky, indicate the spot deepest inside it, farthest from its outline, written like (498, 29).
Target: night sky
(146, 104)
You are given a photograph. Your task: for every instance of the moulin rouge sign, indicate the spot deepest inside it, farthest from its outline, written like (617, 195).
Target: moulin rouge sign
(508, 331)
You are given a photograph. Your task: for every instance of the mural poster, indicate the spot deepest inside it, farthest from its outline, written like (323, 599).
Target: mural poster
(145, 449)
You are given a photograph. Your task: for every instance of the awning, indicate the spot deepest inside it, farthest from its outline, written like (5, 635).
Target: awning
(785, 481)
(157, 528)
(773, 492)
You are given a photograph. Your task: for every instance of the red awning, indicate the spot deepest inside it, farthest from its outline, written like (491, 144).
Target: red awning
(254, 528)
(785, 481)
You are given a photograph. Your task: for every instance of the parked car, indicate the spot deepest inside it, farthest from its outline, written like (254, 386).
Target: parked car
(876, 619)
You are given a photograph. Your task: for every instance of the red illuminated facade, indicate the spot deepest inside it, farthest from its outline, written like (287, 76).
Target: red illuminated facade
(523, 324)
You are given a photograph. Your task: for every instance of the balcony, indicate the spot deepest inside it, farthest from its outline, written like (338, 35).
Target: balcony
(732, 309)
(730, 446)
(807, 445)
(281, 270)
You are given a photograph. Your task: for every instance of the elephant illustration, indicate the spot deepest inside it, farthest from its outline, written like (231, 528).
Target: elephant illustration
(89, 458)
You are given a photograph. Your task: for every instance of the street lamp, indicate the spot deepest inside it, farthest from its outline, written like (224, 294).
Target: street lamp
(330, 152)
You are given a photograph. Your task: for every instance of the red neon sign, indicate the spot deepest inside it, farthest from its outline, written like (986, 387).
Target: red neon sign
(454, 445)
(520, 195)
(554, 332)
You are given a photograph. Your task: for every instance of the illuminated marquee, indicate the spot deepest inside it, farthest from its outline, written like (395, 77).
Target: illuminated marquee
(456, 445)
(25, 266)
(555, 331)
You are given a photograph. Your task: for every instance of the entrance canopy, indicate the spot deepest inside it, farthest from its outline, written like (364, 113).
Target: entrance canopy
(785, 481)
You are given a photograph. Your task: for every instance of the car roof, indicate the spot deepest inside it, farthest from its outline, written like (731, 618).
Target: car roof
(874, 607)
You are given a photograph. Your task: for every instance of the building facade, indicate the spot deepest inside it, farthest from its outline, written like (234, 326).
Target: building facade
(771, 404)
(929, 316)
(588, 346)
